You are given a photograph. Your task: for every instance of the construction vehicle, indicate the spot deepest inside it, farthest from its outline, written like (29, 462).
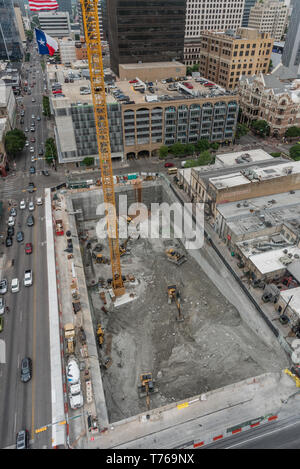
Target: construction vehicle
(100, 335)
(175, 256)
(90, 18)
(123, 247)
(69, 331)
(100, 259)
(74, 385)
(59, 230)
(174, 295)
(146, 387)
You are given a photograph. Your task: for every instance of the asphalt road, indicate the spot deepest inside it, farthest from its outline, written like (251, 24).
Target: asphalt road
(26, 326)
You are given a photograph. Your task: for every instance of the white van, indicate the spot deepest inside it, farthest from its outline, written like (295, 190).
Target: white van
(15, 286)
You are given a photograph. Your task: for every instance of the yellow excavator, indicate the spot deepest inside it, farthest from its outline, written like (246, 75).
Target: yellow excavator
(100, 259)
(174, 295)
(175, 256)
(100, 335)
(146, 387)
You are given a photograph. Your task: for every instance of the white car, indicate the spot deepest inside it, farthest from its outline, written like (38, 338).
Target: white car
(27, 143)
(28, 278)
(15, 285)
(39, 201)
(32, 158)
(31, 206)
(31, 150)
(2, 305)
(3, 286)
(22, 204)
(11, 221)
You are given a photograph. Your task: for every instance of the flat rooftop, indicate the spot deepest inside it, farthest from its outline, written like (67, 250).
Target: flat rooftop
(258, 174)
(71, 92)
(270, 261)
(294, 304)
(239, 157)
(151, 65)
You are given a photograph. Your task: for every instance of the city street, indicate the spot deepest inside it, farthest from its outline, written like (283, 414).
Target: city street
(26, 326)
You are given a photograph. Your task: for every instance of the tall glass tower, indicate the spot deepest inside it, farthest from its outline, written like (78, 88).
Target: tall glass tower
(10, 42)
(291, 51)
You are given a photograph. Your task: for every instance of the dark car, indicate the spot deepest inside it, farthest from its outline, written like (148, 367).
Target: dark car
(22, 439)
(20, 236)
(30, 220)
(21, 121)
(41, 151)
(32, 170)
(10, 231)
(8, 242)
(45, 172)
(13, 212)
(26, 368)
(31, 187)
(151, 90)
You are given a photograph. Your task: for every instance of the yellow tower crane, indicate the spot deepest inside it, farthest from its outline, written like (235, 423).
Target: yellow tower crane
(94, 53)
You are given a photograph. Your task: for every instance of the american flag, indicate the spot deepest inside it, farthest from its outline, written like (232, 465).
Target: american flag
(38, 5)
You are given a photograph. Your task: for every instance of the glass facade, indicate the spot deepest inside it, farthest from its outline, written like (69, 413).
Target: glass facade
(145, 31)
(10, 42)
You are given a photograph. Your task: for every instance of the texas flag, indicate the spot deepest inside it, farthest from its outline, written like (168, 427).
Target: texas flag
(46, 44)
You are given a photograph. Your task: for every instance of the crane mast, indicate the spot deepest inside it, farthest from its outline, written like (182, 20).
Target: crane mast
(94, 53)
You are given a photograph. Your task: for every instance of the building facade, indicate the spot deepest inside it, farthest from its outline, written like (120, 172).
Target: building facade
(291, 51)
(100, 18)
(271, 16)
(247, 7)
(65, 5)
(10, 42)
(226, 56)
(202, 15)
(56, 24)
(273, 98)
(145, 31)
(67, 50)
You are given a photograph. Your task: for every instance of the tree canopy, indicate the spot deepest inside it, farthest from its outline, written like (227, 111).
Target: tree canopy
(293, 131)
(295, 152)
(14, 142)
(261, 127)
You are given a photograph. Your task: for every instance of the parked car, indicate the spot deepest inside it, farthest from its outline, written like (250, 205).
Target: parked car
(2, 305)
(22, 439)
(8, 242)
(28, 248)
(3, 286)
(169, 165)
(10, 231)
(26, 369)
(45, 172)
(13, 212)
(11, 221)
(15, 285)
(30, 220)
(1, 324)
(20, 236)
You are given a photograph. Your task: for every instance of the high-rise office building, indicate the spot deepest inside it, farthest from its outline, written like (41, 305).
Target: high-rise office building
(55, 23)
(248, 5)
(271, 16)
(79, 12)
(202, 15)
(65, 5)
(10, 43)
(145, 31)
(291, 51)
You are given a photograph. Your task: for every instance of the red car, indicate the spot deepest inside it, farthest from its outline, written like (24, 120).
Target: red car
(32, 139)
(28, 248)
(209, 84)
(188, 85)
(169, 165)
(133, 81)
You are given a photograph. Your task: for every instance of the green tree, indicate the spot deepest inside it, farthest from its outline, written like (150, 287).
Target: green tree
(204, 158)
(14, 142)
(214, 146)
(202, 145)
(241, 129)
(189, 149)
(292, 132)
(88, 161)
(295, 152)
(50, 150)
(29, 35)
(177, 149)
(276, 154)
(163, 151)
(260, 127)
(46, 106)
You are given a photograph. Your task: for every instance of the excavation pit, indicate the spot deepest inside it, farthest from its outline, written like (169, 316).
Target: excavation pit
(211, 348)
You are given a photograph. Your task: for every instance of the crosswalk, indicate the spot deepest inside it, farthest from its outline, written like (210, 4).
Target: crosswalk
(17, 184)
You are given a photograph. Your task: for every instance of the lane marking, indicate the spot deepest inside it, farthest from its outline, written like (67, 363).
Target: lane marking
(263, 434)
(34, 336)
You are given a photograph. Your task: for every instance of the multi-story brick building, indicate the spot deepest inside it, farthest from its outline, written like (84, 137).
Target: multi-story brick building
(225, 56)
(273, 98)
(270, 16)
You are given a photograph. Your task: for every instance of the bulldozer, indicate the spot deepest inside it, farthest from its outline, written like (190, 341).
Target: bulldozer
(100, 259)
(175, 256)
(174, 295)
(146, 387)
(100, 335)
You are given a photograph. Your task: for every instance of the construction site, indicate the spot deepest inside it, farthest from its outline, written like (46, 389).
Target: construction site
(173, 334)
